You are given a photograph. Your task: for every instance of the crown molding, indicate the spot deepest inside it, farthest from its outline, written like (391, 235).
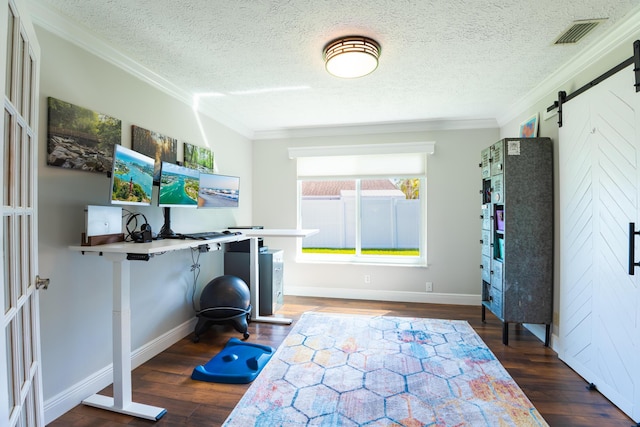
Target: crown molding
(426, 147)
(47, 18)
(625, 30)
(376, 128)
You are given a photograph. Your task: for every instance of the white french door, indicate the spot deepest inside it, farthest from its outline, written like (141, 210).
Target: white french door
(599, 166)
(20, 368)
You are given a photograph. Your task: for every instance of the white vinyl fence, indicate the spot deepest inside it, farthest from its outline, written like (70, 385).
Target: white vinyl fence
(387, 223)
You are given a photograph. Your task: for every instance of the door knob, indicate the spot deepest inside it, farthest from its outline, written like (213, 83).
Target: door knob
(42, 283)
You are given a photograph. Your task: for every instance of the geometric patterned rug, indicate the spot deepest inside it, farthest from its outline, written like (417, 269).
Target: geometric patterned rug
(353, 370)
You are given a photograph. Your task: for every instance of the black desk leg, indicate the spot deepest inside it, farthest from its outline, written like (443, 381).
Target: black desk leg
(505, 333)
(547, 336)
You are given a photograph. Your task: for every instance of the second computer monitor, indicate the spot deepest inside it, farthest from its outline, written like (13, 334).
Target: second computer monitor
(178, 186)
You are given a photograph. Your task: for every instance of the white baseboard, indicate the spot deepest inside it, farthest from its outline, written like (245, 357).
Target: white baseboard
(376, 295)
(163, 342)
(73, 396)
(539, 331)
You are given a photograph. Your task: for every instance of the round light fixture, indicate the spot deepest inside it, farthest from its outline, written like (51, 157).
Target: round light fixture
(350, 57)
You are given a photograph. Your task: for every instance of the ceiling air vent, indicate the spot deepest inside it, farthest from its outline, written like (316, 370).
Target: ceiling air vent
(577, 30)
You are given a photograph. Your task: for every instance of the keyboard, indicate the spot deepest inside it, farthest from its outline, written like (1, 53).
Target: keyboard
(205, 235)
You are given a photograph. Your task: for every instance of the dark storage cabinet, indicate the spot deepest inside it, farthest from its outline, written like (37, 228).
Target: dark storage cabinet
(516, 222)
(270, 275)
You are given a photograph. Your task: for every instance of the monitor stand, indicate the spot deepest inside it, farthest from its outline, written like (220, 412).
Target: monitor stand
(165, 231)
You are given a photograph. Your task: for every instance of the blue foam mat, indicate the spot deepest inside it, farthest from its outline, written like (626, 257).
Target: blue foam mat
(239, 362)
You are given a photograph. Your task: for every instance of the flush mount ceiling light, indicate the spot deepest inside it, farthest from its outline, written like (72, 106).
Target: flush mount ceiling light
(350, 57)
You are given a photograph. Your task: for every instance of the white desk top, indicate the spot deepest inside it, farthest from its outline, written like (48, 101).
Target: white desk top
(166, 245)
(156, 246)
(279, 232)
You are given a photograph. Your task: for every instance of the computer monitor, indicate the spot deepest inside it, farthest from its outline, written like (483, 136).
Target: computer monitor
(178, 186)
(131, 177)
(218, 191)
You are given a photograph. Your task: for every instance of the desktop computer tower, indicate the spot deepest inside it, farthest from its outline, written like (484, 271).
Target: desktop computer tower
(270, 274)
(245, 246)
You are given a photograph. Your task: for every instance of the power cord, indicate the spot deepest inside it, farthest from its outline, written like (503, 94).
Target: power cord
(195, 268)
(126, 216)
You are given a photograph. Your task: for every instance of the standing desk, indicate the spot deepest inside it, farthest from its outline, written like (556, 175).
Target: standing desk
(119, 254)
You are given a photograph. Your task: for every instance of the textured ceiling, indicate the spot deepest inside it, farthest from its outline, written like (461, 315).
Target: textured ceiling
(260, 62)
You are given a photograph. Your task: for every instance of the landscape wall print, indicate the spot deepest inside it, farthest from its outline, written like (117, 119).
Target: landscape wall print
(79, 138)
(198, 158)
(155, 145)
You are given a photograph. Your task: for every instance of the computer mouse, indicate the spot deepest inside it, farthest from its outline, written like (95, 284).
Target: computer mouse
(226, 232)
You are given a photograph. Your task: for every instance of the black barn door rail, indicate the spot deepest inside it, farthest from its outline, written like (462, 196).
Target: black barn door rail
(563, 97)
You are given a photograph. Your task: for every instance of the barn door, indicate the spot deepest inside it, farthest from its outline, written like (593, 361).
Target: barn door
(20, 367)
(599, 196)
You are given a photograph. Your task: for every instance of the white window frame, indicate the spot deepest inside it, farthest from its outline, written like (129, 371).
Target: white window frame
(351, 164)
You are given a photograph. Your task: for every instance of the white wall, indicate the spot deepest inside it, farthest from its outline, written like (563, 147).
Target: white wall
(76, 309)
(453, 232)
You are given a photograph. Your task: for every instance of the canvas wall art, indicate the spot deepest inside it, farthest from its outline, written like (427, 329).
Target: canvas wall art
(529, 128)
(155, 145)
(80, 138)
(198, 158)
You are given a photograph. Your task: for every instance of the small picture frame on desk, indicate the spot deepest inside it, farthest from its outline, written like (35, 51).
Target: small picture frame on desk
(102, 239)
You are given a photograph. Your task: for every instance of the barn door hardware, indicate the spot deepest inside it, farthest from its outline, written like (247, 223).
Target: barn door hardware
(564, 98)
(636, 63)
(632, 250)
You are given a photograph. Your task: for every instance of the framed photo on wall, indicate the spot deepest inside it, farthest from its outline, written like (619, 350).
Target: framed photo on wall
(80, 138)
(155, 145)
(529, 128)
(198, 158)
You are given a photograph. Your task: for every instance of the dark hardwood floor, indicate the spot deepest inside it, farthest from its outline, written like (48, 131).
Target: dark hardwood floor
(556, 391)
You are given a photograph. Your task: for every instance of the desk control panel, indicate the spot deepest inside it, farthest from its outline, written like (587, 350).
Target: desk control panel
(139, 257)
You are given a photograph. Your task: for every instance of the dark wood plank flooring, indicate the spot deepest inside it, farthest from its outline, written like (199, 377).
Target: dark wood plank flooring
(556, 391)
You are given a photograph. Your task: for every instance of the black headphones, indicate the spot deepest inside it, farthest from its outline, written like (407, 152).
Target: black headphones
(142, 236)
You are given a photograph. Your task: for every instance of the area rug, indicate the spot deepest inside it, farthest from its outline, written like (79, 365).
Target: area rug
(346, 370)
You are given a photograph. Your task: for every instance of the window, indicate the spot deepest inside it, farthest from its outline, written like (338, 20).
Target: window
(367, 201)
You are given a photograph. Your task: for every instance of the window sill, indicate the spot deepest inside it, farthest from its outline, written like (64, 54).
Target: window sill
(421, 263)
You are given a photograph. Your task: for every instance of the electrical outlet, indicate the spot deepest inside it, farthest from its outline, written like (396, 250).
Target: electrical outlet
(429, 286)
(367, 278)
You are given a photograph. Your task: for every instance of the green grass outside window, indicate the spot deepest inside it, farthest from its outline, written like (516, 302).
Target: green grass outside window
(352, 251)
